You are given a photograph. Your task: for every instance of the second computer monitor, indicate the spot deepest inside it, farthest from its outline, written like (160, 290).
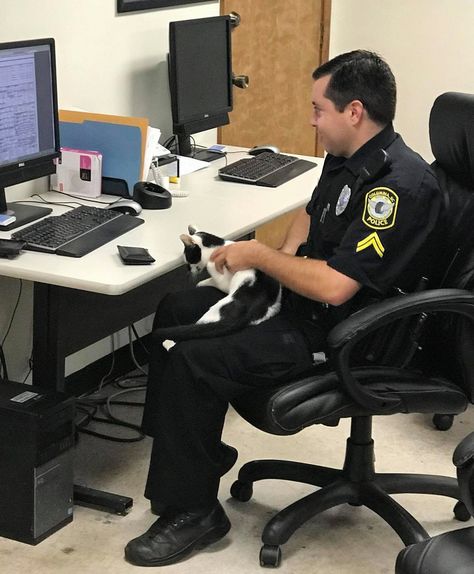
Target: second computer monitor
(200, 71)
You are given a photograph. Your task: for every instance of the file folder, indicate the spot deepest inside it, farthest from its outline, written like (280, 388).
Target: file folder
(120, 139)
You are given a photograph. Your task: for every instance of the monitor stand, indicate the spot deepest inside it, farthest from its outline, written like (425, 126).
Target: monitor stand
(185, 148)
(24, 214)
(206, 155)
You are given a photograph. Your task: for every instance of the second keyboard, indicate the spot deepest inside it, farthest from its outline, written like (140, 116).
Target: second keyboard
(267, 169)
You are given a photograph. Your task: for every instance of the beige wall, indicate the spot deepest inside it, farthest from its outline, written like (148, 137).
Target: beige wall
(428, 43)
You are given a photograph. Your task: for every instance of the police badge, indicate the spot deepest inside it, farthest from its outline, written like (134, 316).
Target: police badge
(343, 199)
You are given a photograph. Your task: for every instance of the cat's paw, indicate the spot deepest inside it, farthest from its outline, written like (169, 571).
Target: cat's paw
(209, 282)
(168, 344)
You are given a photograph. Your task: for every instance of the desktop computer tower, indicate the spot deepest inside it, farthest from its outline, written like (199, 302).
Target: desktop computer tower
(36, 461)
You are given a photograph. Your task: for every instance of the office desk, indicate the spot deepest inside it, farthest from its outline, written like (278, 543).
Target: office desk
(80, 301)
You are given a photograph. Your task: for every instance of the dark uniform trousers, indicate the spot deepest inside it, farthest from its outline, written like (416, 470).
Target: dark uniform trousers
(189, 389)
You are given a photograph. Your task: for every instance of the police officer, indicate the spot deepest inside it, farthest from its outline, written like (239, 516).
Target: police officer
(370, 226)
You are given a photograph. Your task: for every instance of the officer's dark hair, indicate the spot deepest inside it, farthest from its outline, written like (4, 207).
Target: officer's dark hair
(361, 75)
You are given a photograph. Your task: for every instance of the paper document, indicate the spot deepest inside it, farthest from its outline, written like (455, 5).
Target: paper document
(186, 165)
(153, 149)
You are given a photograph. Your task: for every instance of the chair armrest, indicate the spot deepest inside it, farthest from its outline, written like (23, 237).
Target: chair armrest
(463, 459)
(346, 334)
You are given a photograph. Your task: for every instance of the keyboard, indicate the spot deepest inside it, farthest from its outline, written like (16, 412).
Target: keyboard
(267, 169)
(76, 232)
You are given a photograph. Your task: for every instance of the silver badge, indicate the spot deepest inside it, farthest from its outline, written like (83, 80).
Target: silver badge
(343, 199)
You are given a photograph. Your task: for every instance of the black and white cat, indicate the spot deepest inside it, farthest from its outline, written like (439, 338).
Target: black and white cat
(252, 296)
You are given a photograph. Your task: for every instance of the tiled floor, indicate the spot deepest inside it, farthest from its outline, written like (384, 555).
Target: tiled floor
(344, 540)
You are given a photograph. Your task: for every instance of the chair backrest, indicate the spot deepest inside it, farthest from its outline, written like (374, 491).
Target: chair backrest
(451, 128)
(450, 343)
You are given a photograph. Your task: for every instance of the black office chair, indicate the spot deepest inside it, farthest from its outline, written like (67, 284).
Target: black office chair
(376, 389)
(452, 144)
(453, 551)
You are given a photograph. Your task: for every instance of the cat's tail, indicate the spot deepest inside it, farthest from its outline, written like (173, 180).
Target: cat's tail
(201, 330)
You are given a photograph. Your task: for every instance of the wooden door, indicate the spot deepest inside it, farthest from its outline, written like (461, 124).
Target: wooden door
(278, 44)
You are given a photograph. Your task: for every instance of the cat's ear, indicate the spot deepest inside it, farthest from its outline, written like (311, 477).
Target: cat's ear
(192, 230)
(186, 239)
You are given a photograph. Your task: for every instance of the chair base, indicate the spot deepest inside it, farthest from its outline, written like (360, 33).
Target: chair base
(357, 484)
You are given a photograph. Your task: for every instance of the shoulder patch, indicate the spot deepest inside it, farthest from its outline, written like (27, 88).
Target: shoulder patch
(380, 208)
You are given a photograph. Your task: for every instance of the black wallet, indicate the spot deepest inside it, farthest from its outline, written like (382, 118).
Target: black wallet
(135, 255)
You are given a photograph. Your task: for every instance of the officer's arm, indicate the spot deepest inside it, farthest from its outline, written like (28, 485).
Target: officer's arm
(297, 232)
(311, 278)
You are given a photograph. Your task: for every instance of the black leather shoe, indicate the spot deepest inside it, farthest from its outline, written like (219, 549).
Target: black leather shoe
(229, 458)
(174, 536)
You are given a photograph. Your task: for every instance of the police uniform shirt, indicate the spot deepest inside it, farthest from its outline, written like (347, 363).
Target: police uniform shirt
(382, 234)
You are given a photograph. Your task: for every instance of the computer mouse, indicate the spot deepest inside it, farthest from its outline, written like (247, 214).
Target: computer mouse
(127, 206)
(261, 148)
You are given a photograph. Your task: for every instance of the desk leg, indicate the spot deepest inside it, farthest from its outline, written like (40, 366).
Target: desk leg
(48, 350)
(48, 372)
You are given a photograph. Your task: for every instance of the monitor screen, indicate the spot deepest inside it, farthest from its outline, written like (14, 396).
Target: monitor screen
(29, 128)
(200, 70)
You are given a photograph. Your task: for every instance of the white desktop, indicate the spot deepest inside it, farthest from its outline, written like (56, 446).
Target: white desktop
(227, 209)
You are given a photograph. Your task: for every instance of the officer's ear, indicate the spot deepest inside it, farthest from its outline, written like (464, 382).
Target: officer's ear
(355, 111)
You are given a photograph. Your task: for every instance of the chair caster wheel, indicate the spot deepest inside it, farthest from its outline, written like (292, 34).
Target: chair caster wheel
(270, 556)
(241, 490)
(461, 513)
(443, 422)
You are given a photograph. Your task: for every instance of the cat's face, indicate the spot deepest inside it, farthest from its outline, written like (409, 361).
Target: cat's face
(198, 246)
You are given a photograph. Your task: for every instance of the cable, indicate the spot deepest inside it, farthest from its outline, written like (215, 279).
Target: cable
(27, 374)
(110, 401)
(112, 365)
(43, 200)
(170, 141)
(3, 362)
(130, 383)
(64, 203)
(111, 419)
(86, 199)
(13, 313)
(90, 404)
(140, 435)
(132, 353)
(137, 337)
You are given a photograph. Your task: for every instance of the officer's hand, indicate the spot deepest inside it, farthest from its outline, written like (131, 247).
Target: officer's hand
(236, 256)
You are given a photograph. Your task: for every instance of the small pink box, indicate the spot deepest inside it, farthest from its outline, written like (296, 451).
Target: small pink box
(78, 172)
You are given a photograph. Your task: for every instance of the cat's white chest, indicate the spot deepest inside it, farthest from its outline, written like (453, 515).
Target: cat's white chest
(223, 280)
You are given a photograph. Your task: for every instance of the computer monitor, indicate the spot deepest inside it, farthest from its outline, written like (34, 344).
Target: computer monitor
(200, 73)
(29, 127)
